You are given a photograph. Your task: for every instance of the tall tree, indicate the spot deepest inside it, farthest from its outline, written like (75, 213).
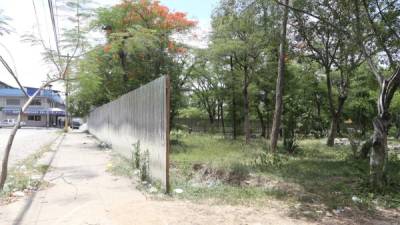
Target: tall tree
(322, 42)
(237, 31)
(276, 123)
(140, 47)
(377, 31)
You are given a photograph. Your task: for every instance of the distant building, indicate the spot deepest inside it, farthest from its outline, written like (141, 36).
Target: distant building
(46, 110)
(4, 85)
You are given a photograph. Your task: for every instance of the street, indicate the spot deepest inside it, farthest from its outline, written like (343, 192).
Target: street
(26, 142)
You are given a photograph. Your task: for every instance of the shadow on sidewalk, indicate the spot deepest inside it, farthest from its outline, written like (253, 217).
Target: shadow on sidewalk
(29, 202)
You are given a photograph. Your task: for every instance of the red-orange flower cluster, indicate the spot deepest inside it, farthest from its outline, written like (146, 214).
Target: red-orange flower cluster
(174, 49)
(152, 15)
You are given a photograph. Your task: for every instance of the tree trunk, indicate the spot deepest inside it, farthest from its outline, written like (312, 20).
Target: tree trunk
(234, 120)
(365, 148)
(268, 125)
(211, 118)
(318, 125)
(276, 123)
(122, 56)
(234, 124)
(378, 156)
(334, 120)
(262, 122)
(4, 165)
(210, 108)
(332, 130)
(246, 106)
(222, 117)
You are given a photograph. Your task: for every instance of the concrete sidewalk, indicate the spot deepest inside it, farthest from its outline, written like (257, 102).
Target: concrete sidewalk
(83, 193)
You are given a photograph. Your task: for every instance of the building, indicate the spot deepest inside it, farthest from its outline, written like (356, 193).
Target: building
(46, 110)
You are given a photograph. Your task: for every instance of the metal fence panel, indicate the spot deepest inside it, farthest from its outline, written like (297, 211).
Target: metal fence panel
(141, 116)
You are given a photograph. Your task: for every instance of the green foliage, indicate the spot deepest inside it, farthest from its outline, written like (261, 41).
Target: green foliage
(192, 113)
(318, 177)
(239, 171)
(136, 155)
(269, 160)
(140, 161)
(135, 165)
(22, 176)
(139, 49)
(144, 166)
(120, 166)
(233, 79)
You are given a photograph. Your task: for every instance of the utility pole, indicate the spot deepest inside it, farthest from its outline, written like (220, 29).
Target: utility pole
(66, 102)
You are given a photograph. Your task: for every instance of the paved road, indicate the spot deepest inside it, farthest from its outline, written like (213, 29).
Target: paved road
(27, 141)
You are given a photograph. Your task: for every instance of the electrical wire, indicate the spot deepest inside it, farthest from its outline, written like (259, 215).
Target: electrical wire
(54, 26)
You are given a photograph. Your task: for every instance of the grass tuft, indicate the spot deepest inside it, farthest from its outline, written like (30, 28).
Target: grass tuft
(25, 176)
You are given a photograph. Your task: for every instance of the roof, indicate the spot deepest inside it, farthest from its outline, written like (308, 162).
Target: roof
(11, 92)
(15, 92)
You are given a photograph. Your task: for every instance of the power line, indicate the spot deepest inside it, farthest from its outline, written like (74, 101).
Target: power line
(37, 20)
(57, 17)
(41, 40)
(54, 26)
(46, 22)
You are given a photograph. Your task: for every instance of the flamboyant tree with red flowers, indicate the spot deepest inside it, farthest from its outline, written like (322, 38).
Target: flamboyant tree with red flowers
(139, 48)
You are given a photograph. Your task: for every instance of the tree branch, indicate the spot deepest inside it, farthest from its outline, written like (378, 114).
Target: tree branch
(13, 75)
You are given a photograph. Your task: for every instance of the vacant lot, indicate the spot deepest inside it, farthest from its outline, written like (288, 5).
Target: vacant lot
(317, 182)
(27, 141)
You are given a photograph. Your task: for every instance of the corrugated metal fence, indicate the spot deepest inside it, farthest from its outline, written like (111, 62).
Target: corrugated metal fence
(139, 116)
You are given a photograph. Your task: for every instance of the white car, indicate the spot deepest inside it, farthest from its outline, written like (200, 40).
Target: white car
(10, 123)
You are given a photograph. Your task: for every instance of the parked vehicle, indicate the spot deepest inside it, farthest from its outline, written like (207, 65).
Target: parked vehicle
(11, 123)
(76, 123)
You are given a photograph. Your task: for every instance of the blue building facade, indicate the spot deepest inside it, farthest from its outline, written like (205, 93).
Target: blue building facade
(46, 110)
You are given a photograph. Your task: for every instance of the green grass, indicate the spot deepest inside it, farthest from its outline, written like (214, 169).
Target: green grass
(20, 176)
(317, 176)
(214, 150)
(120, 166)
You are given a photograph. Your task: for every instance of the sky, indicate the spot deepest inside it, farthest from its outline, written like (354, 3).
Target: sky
(27, 59)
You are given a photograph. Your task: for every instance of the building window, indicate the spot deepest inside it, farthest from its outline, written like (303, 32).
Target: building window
(34, 118)
(13, 102)
(36, 102)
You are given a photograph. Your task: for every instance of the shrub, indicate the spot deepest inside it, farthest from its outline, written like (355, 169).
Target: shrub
(136, 155)
(269, 160)
(238, 173)
(144, 167)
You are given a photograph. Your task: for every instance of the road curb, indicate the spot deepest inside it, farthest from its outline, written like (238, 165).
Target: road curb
(48, 157)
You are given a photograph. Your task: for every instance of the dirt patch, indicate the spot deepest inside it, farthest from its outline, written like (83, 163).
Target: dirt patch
(351, 216)
(203, 174)
(305, 206)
